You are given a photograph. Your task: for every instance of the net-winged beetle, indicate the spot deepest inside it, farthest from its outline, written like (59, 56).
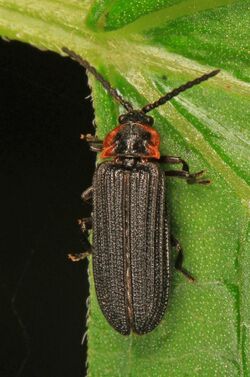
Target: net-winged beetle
(131, 239)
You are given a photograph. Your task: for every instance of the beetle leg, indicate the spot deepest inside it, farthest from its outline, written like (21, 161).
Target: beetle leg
(175, 160)
(87, 250)
(191, 178)
(76, 257)
(94, 143)
(87, 194)
(179, 260)
(86, 225)
(94, 147)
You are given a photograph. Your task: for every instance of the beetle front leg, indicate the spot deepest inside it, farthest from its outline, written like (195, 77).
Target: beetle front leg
(179, 260)
(87, 194)
(95, 144)
(190, 178)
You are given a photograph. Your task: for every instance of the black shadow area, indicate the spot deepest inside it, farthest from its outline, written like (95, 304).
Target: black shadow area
(44, 168)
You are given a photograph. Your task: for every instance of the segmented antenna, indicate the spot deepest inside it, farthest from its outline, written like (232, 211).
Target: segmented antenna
(175, 92)
(113, 92)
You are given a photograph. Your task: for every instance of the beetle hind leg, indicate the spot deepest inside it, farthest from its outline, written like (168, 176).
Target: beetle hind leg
(179, 260)
(76, 257)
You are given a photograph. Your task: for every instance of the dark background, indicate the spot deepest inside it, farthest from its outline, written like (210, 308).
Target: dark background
(44, 168)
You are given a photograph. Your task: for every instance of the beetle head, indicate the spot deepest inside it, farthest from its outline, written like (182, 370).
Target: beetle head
(136, 116)
(134, 137)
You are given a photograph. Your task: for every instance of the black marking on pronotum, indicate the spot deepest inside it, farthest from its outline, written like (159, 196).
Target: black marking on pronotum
(131, 238)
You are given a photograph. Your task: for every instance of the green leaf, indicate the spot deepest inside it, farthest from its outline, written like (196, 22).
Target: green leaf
(146, 48)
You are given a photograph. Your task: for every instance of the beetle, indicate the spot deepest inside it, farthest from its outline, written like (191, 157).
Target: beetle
(132, 262)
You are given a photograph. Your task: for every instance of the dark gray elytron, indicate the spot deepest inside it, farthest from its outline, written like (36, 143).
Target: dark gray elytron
(131, 258)
(132, 262)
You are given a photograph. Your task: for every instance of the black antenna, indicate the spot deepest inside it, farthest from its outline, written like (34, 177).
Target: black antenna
(113, 92)
(175, 92)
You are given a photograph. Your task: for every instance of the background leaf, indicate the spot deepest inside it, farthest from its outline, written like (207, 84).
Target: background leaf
(144, 49)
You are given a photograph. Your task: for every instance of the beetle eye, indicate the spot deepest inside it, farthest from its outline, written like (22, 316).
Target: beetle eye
(150, 120)
(122, 118)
